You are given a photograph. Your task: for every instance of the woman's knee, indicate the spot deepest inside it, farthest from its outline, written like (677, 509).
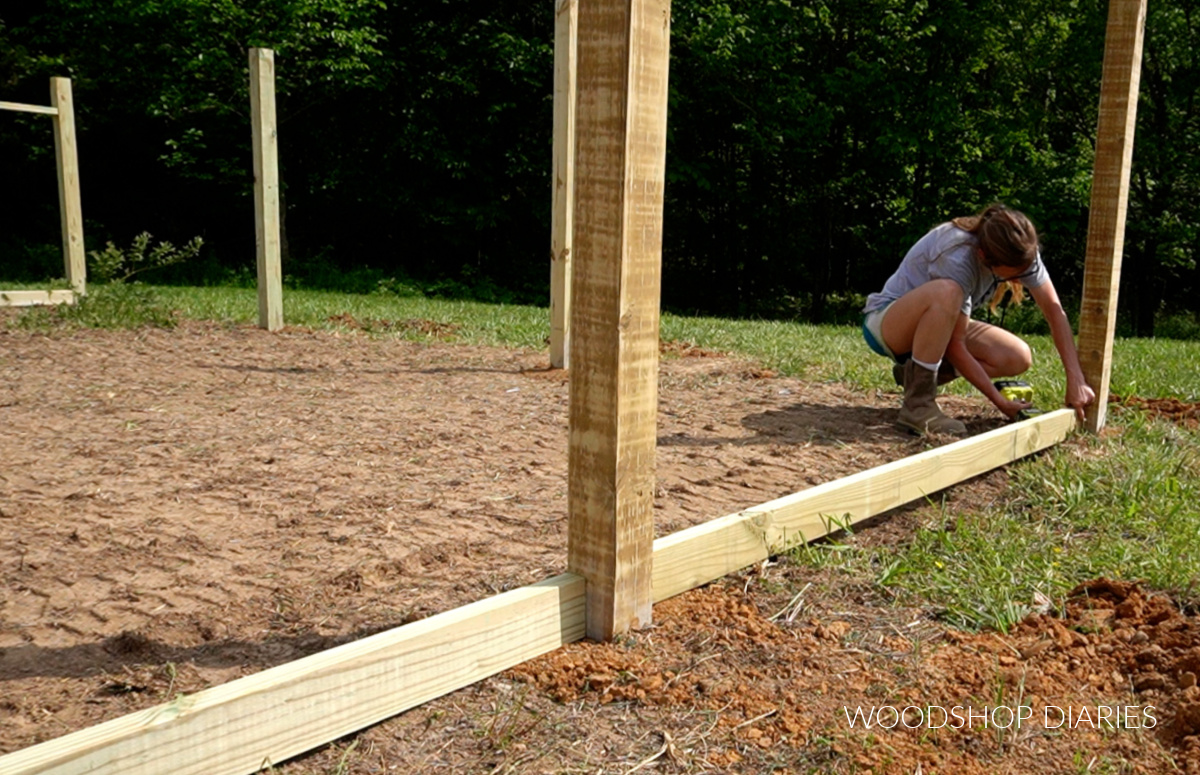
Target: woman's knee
(1018, 357)
(944, 295)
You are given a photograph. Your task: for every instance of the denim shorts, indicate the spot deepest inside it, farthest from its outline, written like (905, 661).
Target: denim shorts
(872, 330)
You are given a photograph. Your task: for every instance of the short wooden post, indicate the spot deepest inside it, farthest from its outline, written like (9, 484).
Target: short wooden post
(620, 162)
(266, 188)
(1110, 196)
(70, 206)
(566, 21)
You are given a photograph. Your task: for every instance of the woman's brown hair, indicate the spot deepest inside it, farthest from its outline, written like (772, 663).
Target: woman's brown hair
(1008, 239)
(1006, 236)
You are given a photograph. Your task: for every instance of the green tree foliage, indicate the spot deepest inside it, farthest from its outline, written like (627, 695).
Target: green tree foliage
(1161, 273)
(822, 138)
(810, 141)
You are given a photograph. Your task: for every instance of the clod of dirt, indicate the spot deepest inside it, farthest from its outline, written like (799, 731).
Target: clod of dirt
(129, 644)
(686, 350)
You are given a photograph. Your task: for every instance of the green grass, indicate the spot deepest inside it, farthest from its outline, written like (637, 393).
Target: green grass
(478, 323)
(1147, 367)
(47, 285)
(1125, 506)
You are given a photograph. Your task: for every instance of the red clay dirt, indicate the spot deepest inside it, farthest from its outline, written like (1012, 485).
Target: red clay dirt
(180, 508)
(1179, 412)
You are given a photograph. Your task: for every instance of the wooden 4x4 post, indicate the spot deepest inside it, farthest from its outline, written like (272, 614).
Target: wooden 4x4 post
(621, 121)
(66, 156)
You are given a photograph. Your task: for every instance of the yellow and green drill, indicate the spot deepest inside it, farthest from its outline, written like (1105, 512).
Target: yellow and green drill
(1018, 390)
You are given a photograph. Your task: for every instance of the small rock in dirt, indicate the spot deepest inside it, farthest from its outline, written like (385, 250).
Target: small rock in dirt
(1033, 650)
(1149, 681)
(129, 644)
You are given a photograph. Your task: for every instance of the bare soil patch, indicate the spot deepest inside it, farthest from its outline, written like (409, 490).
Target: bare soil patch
(1179, 412)
(180, 508)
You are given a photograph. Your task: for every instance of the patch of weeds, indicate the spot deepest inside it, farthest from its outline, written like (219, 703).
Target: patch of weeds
(1003, 732)
(117, 265)
(114, 301)
(829, 551)
(1099, 764)
(343, 765)
(114, 306)
(508, 726)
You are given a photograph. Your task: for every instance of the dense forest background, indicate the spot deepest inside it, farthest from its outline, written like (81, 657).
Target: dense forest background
(809, 142)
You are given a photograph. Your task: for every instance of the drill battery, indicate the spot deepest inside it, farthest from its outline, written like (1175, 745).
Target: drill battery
(1015, 390)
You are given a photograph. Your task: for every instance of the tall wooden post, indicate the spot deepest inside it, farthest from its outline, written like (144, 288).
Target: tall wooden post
(266, 188)
(1110, 196)
(566, 24)
(70, 206)
(620, 163)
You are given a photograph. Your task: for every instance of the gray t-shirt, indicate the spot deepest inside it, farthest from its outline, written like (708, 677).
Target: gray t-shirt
(948, 252)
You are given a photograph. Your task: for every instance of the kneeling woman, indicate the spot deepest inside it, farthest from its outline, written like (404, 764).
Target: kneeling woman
(922, 317)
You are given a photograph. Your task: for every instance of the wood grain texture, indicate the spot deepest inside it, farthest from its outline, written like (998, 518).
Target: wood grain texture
(1110, 197)
(689, 558)
(566, 27)
(621, 118)
(263, 719)
(266, 188)
(70, 204)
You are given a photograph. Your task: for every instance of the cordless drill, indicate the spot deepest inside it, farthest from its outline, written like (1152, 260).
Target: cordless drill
(1018, 390)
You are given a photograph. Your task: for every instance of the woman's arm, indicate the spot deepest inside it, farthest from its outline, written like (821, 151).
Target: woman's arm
(972, 370)
(1079, 393)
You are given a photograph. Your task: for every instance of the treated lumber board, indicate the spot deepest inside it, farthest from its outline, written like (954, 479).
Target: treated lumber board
(263, 719)
(70, 205)
(1110, 196)
(621, 122)
(34, 298)
(266, 188)
(23, 108)
(566, 27)
(697, 555)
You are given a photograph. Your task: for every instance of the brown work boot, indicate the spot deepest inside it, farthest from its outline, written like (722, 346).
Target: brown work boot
(946, 373)
(920, 412)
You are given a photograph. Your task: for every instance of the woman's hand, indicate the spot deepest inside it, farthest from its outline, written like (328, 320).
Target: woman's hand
(1010, 408)
(1079, 396)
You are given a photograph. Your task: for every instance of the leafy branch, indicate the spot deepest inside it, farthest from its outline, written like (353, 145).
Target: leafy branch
(116, 265)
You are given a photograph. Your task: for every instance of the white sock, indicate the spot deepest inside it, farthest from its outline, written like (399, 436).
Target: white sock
(930, 366)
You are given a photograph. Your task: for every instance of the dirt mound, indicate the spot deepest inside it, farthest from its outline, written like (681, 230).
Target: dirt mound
(1111, 681)
(683, 349)
(1173, 409)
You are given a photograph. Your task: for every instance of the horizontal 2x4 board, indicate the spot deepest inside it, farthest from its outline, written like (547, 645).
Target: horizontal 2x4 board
(23, 108)
(697, 555)
(33, 298)
(262, 719)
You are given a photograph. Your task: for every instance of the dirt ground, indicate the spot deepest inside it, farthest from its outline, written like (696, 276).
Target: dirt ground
(181, 508)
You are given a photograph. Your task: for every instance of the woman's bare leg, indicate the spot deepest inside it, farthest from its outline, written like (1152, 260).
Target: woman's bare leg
(921, 321)
(1001, 353)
